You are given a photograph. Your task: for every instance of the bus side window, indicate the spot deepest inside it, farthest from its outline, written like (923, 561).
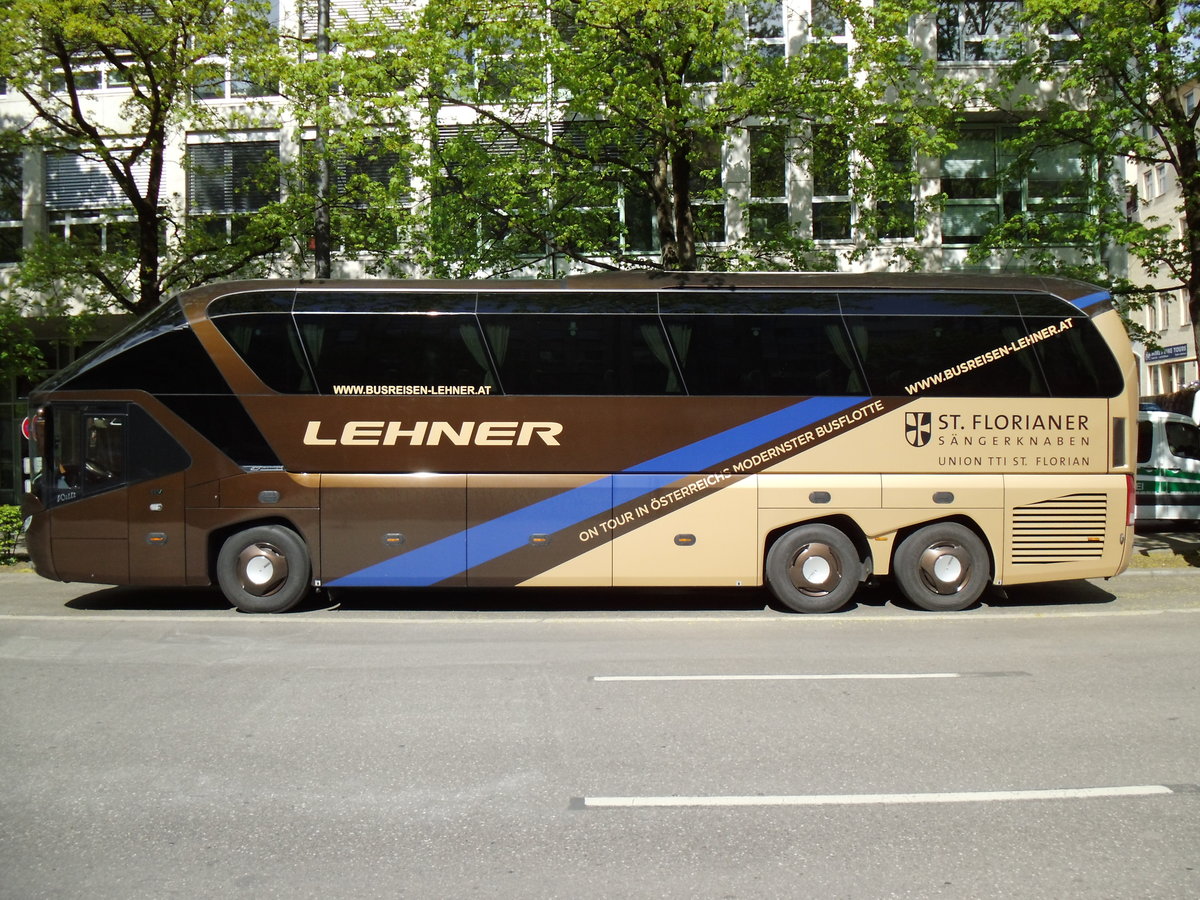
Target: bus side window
(401, 349)
(798, 355)
(619, 354)
(945, 356)
(1077, 363)
(1183, 439)
(270, 346)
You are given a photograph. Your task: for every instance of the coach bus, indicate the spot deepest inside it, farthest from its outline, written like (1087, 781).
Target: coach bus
(809, 432)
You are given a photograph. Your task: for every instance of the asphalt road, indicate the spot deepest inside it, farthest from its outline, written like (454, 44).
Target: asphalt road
(677, 744)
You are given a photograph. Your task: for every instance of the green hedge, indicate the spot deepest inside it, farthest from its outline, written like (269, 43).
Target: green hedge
(10, 532)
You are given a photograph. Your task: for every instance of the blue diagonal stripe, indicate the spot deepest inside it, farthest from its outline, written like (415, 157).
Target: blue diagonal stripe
(451, 556)
(1089, 300)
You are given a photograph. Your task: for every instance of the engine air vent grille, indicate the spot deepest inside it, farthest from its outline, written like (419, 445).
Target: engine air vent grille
(1062, 530)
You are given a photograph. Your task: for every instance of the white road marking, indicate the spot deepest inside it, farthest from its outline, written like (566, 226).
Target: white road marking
(1143, 790)
(835, 677)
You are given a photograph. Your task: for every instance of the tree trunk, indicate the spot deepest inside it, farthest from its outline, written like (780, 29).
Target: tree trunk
(1189, 187)
(664, 214)
(685, 217)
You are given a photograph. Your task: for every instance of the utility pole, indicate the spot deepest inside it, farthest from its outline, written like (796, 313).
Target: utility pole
(321, 228)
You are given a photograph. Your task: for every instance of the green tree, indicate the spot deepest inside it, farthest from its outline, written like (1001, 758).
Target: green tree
(596, 130)
(1105, 79)
(366, 150)
(165, 57)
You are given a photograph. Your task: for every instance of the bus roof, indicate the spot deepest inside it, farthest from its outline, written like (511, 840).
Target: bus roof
(1077, 293)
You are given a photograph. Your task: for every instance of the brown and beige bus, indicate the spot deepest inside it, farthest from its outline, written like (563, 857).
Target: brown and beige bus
(808, 432)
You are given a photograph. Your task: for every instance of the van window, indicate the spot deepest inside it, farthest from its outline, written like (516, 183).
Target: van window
(1183, 439)
(1145, 441)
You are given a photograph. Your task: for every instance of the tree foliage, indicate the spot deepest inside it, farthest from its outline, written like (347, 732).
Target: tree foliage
(160, 57)
(1107, 78)
(596, 130)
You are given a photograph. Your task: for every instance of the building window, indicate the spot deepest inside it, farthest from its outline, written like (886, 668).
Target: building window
(764, 26)
(829, 166)
(896, 209)
(768, 211)
(219, 79)
(829, 32)
(708, 198)
(359, 185)
(227, 181)
(1064, 38)
(86, 206)
(638, 216)
(10, 207)
(975, 30)
(982, 189)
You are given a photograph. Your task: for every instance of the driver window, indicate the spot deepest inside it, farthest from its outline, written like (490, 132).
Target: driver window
(89, 453)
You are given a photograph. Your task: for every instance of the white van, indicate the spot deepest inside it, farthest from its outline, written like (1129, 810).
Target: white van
(1168, 467)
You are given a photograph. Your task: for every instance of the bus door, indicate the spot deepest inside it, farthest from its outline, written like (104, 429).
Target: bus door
(89, 518)
(115, 489)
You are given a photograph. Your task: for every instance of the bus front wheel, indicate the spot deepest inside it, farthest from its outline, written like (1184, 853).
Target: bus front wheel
(942, 567)
(263, 569)
(813, 569)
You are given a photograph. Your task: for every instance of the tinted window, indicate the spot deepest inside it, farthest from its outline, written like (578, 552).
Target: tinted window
(251, 301)
(152, 451)
(569, 302)
(224, 422)
(730, 302)
(1145, 441)
(168, 361)
(928, 303)
(383, 301)
(1183, 439)
(801, 355)
(1045, 305)
(945, 356)
(395, 351)
(583, 354)
(270, 346)
(1077, 363)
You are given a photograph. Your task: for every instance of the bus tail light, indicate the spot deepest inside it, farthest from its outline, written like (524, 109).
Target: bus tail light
(1130, 500)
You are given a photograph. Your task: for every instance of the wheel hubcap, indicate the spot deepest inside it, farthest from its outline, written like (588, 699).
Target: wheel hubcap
(815, 569)
(945, 568)
(262, 569)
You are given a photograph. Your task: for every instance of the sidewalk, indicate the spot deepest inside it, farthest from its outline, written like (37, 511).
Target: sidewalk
(1171, 548)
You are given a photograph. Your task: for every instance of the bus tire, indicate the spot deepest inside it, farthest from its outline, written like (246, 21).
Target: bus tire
(942, 567)
(264, 569)
(813, 569)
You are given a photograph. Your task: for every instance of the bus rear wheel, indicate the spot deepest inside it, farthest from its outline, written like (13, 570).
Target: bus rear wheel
(942, 567)
(813, 569)
(264, 569)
